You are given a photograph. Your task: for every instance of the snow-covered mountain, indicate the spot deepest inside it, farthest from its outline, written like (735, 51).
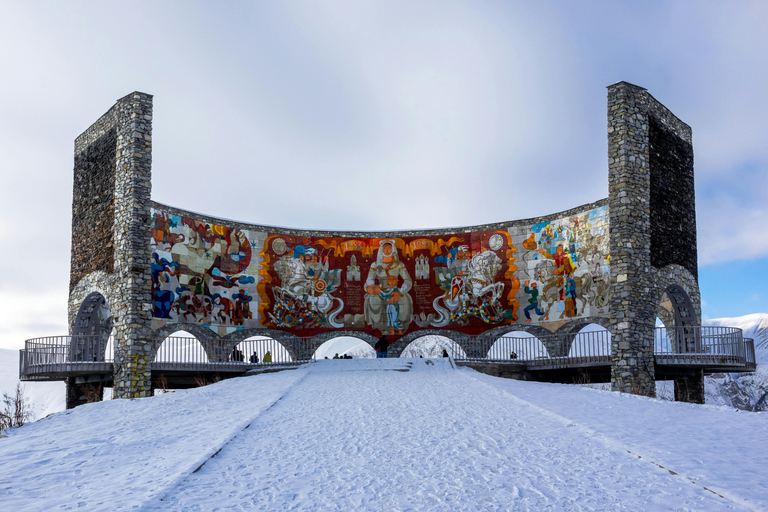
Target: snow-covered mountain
(432, 346)
(753, 326)
(748, 391)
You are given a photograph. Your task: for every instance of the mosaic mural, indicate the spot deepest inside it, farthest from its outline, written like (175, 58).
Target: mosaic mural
(230, 279)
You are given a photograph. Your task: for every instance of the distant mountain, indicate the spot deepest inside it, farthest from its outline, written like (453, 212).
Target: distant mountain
(360, 351)
(753, 326)
(748, 391)
(432, 346)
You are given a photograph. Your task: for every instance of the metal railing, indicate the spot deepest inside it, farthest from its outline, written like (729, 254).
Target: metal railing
(714, 347)
(55, 355)
(704, 345)
(552, 351)
(690, 345)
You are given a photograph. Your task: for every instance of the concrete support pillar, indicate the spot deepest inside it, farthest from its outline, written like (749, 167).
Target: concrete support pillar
(690, 388)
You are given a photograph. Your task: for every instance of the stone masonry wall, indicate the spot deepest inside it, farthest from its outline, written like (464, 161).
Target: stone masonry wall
(133, 344)
(652, 223)
(93, 201)
(672, 199)
(111, 229)
(632, 310)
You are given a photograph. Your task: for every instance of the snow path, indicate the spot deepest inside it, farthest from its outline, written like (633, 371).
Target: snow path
(387, 435)
(704, 444)
(428, 439)
(117, 455)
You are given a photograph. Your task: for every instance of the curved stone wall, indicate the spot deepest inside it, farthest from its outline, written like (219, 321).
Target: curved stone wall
(230, 276)
(162, 269)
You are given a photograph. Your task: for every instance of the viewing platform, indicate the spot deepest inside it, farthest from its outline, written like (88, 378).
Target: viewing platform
(182, 362)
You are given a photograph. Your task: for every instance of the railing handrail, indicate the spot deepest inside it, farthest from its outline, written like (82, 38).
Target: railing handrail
(710, 344)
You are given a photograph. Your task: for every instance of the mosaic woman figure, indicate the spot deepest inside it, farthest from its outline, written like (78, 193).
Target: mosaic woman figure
(382, 290)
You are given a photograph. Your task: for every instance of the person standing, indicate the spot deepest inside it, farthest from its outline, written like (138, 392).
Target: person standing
(381, 347)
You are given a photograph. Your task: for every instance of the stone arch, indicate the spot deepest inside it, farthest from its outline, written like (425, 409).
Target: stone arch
(464, 340)
(186, 352)
(365, 337)
(576, 325)
(569, 332)
(590, 344)
(678, 303)
(296, 347)
(326, 336)
(91, 329)
(457, 339)
(203, 334)
(675, 279)
(258, 349)
(509, 346)
(542, 334)
(95, 282)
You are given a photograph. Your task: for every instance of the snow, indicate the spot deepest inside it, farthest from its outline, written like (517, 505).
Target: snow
(387, 434)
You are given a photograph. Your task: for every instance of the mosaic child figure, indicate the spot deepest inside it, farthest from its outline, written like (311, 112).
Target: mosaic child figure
(393, 309)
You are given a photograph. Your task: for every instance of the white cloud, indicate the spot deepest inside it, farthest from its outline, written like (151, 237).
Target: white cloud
(363, 115)
(730, 230)
(31, 312)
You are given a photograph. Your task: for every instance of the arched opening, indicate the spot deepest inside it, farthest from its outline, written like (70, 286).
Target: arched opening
(349, 346)
(517, 345)
(665, 389)
(661, 343)
(433, 345)
(260, 350)
(679, 317)
(91, 330)
(592, 340)
(180, 347)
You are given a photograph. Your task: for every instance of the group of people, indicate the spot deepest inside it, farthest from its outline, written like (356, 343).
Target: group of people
(343, 356)
(238, 356)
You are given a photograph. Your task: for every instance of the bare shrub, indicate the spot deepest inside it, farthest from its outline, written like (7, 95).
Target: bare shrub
(202, 380)
(93, 392)
(16, 409)
(162, 384)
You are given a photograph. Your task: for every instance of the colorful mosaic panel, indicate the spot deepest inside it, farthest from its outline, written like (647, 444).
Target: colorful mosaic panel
(229, 278)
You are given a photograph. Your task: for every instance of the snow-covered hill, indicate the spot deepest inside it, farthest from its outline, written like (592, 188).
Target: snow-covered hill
(396, 434)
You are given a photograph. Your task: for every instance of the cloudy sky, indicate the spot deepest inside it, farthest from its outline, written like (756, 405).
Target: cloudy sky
(377, 115)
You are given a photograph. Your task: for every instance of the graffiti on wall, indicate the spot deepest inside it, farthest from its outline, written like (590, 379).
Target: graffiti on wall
(230, 279)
